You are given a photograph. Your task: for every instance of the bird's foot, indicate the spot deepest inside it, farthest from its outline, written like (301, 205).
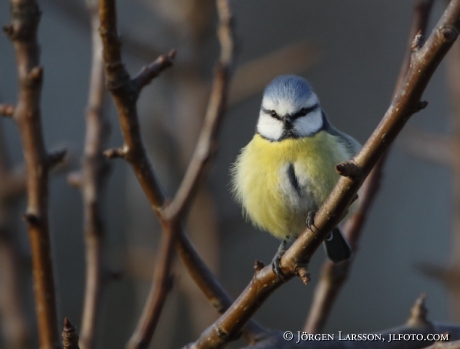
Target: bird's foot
(311, 219)
(276, 260)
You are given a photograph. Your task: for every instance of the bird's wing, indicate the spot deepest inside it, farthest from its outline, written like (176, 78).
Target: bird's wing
(349, 142)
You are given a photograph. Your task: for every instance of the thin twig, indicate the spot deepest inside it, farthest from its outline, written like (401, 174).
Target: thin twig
(22, 32)
(93, 179)
(424, 62)
(174, 213)
(133, 151)
(333, 276)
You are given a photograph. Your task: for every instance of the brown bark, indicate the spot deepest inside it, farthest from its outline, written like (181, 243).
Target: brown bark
(23, 33)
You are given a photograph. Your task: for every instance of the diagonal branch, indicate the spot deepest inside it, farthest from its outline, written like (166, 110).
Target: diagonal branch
(424, 62)
(23, 33)
(333, 276)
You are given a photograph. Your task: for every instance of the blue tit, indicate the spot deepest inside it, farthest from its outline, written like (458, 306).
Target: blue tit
(287, 170)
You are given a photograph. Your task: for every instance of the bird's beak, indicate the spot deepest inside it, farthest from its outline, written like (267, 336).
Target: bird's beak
(288, 119)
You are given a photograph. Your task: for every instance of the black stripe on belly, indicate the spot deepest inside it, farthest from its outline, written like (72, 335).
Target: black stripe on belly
(293, 179)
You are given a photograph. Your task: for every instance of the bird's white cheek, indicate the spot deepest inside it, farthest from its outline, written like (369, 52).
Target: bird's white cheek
(309, 124)
(269, 127)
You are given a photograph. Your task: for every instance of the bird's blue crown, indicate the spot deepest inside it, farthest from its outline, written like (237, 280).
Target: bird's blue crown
(288, 87)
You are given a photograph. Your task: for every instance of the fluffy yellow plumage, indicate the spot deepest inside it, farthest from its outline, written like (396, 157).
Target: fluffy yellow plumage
(262, 184)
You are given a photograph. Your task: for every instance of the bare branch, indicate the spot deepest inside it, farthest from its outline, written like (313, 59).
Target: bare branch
(152, 70)
(92, 180)
(423, 63)
(22, 32)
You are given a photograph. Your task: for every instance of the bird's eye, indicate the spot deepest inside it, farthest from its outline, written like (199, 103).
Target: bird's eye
(273, 113)
(303, 112)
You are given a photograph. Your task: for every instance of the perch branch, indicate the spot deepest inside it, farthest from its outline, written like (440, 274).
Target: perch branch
(406, 102)
(333, 276)
(23, 33)
(93, 179)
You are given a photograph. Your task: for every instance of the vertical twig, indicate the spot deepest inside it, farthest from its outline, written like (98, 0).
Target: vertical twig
(333, 276)
(23, 33)
(94, 174)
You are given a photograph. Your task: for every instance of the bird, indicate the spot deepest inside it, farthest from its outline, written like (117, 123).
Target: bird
(288, 169)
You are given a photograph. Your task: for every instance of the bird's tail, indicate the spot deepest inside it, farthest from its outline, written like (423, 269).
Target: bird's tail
(337, 247)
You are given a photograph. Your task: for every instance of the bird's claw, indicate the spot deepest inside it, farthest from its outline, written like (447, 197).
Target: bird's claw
(311, 219)
(276, 260)
(277, 267)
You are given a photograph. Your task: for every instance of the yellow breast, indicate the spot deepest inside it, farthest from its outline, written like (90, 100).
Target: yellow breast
(261, 182)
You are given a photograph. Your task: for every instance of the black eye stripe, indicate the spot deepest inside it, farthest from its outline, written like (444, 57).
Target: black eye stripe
(272, 113)
(304, 111)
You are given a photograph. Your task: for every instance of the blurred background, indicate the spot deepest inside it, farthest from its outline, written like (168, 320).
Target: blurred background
(350, 51)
